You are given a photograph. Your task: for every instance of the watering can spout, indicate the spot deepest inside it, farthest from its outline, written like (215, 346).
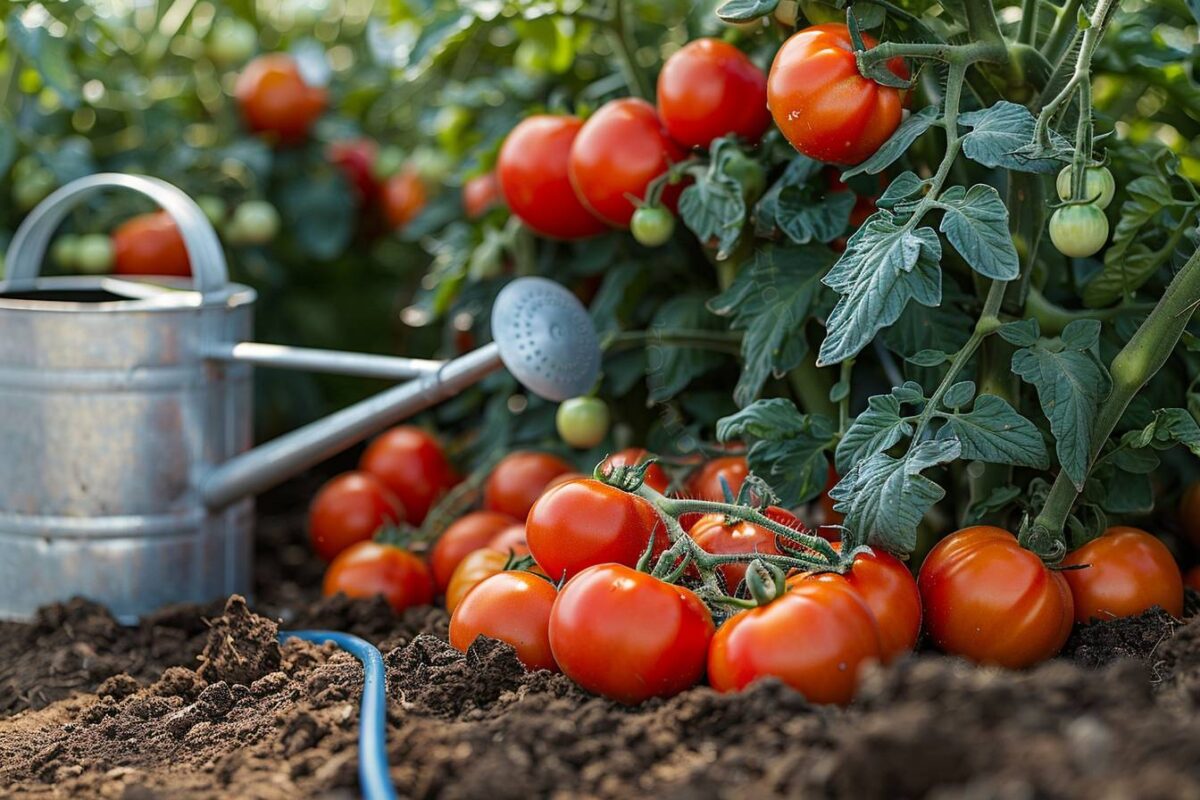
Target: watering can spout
(541, 333)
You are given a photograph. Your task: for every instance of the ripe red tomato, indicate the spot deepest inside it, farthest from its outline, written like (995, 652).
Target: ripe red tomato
(150, 244)
(890, 591)
(705, 484)
(349, 509)
(413, 465)
(511, 540)
(656, 478)
(990, 600)
(477, 567)
(823, 105)
(620, 149)
(816, 638)
(356, 159)
(709, 89)
(519, 479)
(513, 607)
(1189, 513)
(274, 98)
(627, 636)
(370, 568)
(532, 169)
(719, 535)
(464, 536)
(1127, 572)
(583, 523)
(403, 197)
(480, 193)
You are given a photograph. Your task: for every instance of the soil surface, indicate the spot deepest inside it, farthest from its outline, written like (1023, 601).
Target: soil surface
(201, 702)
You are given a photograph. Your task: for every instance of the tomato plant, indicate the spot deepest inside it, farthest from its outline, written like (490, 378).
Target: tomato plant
(1121, 574)
(652, 226)
(513, 607)
(150, 244)
(519, 479)
(356, 158)
(350, 509)
(471, 532)
(413, 465)
(1099, 186)
(718, 535)
(368, 569)
(480, 194)
(709, 89)
(627, 636)
(276, 100)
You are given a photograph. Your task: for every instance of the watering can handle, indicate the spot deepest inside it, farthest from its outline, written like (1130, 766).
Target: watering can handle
(29, 243)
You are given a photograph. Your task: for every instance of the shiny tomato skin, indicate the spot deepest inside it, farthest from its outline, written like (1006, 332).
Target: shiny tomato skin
(1127, 571)
(403, 197)
(656, 478)
(513, 607)
(719, 535)
(888, 588)
(988, 599)
(816, 638)
(349, 509)
(627, 636)
(619, 150)
(370, 568)
(705, 484)
(274, 98)
(480, 194)
(709, 89)
(464, 536)
(356, 159)
(410, 462)
(823, 105)
(150, 244)
(532, 170)
(519, 479)
(478, 566)
(582, 523)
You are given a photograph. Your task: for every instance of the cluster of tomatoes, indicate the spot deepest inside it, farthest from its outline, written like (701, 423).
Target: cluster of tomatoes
(1079, 229)
(555, 564)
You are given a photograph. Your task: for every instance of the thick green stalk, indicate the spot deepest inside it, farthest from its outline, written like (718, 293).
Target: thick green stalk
(981, 21)
(812, 385)
(622, 42)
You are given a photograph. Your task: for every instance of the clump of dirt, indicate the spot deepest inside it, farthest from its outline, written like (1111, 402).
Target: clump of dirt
(241, 648)
(1100, 643)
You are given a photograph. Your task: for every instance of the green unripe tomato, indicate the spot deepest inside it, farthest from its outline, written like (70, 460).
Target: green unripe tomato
(652, 226)
(31, 190)
(65, 251)
(231, 41)
(786, 13)
(95, 255)
(1099, 186)
(213, 207)
(582, 421)
(818, 12)
(254, 222)
(749, 173)
(1079, 231)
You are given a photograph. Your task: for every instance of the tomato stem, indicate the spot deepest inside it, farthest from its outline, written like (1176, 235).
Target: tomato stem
(1081, 76)
(623, 45)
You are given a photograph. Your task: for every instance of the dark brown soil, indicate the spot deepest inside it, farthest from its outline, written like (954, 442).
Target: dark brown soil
(203, 703)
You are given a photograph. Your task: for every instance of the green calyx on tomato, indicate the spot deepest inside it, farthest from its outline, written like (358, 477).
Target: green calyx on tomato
(1099, 186)
(652, 226)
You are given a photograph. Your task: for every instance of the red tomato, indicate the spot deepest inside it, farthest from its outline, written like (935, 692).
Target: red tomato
(709, 89)
(627, 636)
(349, 509)
(990, 600)
(889, 590)
(464, 536)
(532, 169)
(513, 607)
(403, 197)
(356, 159)
(583, 523)
(480, 193)
(519, 479)
(620, 149)
(566, 477)
(816, 638)
(274, 98)
(369, 568)
(705, 483)
(823, 105)
(1127, 571)
(511, 540)
(1189, 513)
(477, 567)
(150, 244)
(720, 535)
(656, 479)
(1192, 579)
(413, 465)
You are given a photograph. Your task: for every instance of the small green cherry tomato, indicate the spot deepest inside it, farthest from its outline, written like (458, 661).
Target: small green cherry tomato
(652, 226)
(582, 421)
(749, 173)
(1099, 186)
(65, 251)
(95, 253)
(213, 207)
(253, 222)
(231, 41)
(1079, 231)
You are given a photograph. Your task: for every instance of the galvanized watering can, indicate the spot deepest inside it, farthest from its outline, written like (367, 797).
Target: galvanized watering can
(126, 473)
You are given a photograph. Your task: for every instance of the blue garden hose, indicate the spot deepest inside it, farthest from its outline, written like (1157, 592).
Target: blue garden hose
(373, 777)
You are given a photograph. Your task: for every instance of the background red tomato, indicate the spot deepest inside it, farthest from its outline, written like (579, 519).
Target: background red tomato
(367, 569)
(513, 607)
(411, 463)
(705, 483)
(627, 636)
(478, 566)
(519, 479)
(532, 169)
(150, 244)
(403, 197)
(275, 99)
(992, 601)
(619, 150)
(464, 536)
(356, 158)
(480, 194)
(349, 509)
(511, 540)
(709, 89)
(656, 478)
(1123, 573)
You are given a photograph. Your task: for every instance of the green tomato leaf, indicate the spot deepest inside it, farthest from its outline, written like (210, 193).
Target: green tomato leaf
(771, 299)
(928, 358)
(805, 217)
(884, 266)
(746, 10)
(622, 286)
(671, 368)
(903, 188)
(1071, 383)
(976, 223)
(1023, 333)
(876, 429)
(713, 206)
(776, 418)
(317, 208)
(900, 141)
(959, 394)
(1000, 133)
(994, 432)
(788, 449)
(944, 328)
(1171, 426)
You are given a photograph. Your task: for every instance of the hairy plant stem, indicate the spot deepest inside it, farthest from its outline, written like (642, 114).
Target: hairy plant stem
(812, 385)
(1052, 318)
(981, 22)
(623, 46)
(1081, 75)
(1025, 32)
(1132, 368)
(1062, 33)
